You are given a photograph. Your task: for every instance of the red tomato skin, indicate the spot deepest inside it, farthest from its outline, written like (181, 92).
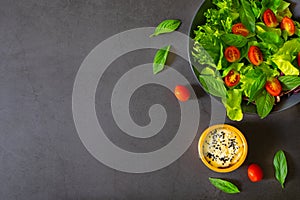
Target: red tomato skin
(232, 78)
(255, 55)
(182, 93)
(240, 29)
(232, 54)
(269, 18)
(273, 87)
(298, 59)
(255, 173)
(288, 25)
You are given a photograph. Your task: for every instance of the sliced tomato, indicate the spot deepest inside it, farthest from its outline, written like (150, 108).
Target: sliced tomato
(182, 93)
(255, 173)
(270, 18)
(255, 55)
(232, 54)
(273, 86)
(240, 29)
(288, 25)
(232, 78)
(299, 59)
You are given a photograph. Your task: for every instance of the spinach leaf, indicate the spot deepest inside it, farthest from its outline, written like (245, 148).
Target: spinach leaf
(233, 104)
(234, 40)
(224, 186)
(247, 16)
(264, 104)
(166, 26)
(280, 166)
(289, 82)
(213, 85)
(160, 59)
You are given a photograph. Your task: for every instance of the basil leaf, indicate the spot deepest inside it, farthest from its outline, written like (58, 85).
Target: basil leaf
(289, 82)
(160, 59)
(224, 186)
(272, 4)
(264, 104)
(280, 166)
(271, 37)
(247, 16)
(234, 40)
(166, 26)
(212, 85)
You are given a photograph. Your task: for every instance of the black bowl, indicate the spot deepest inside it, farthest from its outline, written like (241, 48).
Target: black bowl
(199, 19)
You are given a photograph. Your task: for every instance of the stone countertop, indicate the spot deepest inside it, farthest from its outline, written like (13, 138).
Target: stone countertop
(43, 44)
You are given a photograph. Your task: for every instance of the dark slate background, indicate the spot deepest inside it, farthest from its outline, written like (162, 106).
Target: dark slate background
(42, 44)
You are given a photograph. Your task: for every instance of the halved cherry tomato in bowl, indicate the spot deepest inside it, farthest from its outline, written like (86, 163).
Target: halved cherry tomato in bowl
(255, 173)
(270, 18)
(255, 55)
(240, 29)
(232, 78)
(182, 93)
(232, 54)
(273, 87)
(288, 25)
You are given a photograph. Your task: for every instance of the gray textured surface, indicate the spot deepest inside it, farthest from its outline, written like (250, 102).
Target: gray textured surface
(42, 44)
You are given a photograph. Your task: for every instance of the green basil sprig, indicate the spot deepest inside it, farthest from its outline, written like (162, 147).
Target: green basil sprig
(280, 166)
(264, 104)
(247, 16)
(166, 26)
(224, 186)
(289, 82)
(160, 59)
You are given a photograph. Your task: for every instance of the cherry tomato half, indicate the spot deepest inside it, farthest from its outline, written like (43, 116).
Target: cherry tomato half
(232, 54)
(273, 86)
(240, 29)
(255, 173)
(299, 59)
(182, 93)
(288, 25)
(255, 55)
(232, 78)
(270, 18)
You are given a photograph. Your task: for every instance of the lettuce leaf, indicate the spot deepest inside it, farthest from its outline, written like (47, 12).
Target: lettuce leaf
(232, 104)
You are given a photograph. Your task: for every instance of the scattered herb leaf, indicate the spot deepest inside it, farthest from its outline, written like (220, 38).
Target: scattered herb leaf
(224, 186)
(166, 26)
(280, 166)
(160, 59)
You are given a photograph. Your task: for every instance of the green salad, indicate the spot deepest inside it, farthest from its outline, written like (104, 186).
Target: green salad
(248, 50)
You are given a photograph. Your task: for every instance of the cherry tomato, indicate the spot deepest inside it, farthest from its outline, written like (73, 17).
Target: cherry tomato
(232, 78)
(182, 93)
(255, 55)
(240, 29)
(299, 59)
(232, 54)
(288, 25)
(255, 173)
(273, 86)
(270, 18)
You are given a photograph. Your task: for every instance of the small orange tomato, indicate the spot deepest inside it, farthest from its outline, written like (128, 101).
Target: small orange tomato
(232, 54)
(240, 29)
(182, 93)
(288, 25)
(270, 18)
(255, 55)
(273, 86)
